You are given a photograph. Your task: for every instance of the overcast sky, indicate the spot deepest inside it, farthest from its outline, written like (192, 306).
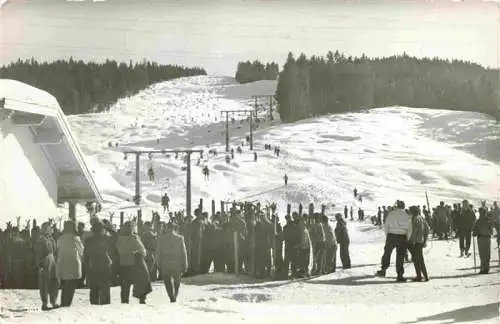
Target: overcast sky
(217, 34)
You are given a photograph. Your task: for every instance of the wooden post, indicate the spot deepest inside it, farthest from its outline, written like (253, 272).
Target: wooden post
(236, 254)
(122, 216)
(201, 205)
(139, 221)
(137, 198)
(188, 185)
(288, 209)
(213, 207)
(252, 242)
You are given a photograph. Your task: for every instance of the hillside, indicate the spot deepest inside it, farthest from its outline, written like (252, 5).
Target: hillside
(388, 153)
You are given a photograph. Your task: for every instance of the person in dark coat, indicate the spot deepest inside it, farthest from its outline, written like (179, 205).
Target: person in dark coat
(342, 236)
(48, 283)
(483, 229)
(98, 265)
(465, 223)
(149, 240)
(142, 281)
(417, 241)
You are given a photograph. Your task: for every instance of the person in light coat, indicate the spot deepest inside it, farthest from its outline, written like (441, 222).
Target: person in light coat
(172, 260)
(397, 229)
(69, 262)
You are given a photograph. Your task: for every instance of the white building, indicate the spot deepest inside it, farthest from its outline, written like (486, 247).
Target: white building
(40, 162)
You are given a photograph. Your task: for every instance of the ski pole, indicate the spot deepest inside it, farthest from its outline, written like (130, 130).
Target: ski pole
(474, 252)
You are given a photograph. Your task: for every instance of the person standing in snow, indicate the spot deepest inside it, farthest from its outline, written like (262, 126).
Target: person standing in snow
(172, 260)
(465, 223)
(342, 236)
(255, 156)
(98, 264)
(417, 241)
(48, 282)
(69, 262)
(496, 221)
(483, 229)
(142, 283)
(355, 192)
(397, 227)
(346, 212)
(128, 244)
(331, 246)
(286, 179)
(351, 212)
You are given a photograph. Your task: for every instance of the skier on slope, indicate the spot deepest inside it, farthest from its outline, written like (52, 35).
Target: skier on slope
(286, 179)
(165, 201)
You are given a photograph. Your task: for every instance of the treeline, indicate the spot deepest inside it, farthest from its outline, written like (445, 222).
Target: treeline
(84, 87)
(255, 71)
(336, 83)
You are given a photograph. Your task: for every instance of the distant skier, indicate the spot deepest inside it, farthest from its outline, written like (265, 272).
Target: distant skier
(255, 156)
(351, 211)
(346, 211)
(355, 192)
(286, 179)
(151, 174)
(239, 150)
(232, 153)
(206, 172)
(165, 202)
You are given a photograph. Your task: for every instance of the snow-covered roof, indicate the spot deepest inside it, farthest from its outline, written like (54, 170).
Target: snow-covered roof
(31, 107)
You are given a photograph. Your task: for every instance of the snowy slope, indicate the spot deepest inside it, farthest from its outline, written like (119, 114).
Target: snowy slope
(390, 153)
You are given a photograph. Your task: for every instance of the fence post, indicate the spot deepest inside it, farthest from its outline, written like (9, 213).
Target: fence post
(213, 207)
(236, 254)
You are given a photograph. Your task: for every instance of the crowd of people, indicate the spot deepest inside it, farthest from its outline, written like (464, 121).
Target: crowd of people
(246, 239)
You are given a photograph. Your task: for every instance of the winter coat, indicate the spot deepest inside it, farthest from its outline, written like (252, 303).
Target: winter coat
(69, 257)
(483, 227)
(45, 249)
(398, 222)
(97, 256)
(341, 232)
(420, 230)
(171, 253)
(317, 233)
(142, 281)
(466, 220)
(330, 238)
(127, 245)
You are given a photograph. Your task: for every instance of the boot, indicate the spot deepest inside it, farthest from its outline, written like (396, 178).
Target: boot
(380, 273)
